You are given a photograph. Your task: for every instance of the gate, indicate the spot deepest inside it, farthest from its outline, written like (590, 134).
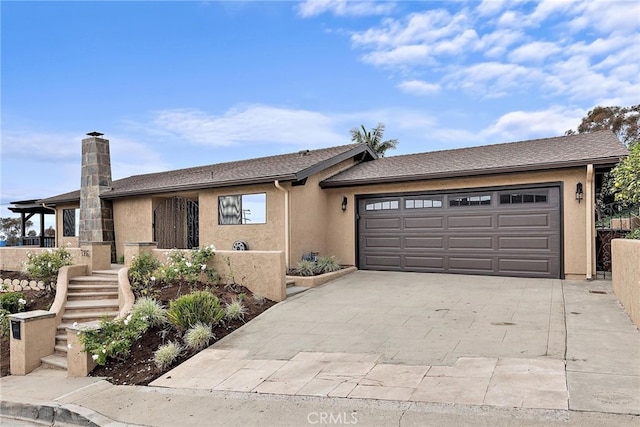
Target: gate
(613, 221)
(175, 224)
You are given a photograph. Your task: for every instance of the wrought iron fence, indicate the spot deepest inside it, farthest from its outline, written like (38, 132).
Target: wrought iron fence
(613, 221)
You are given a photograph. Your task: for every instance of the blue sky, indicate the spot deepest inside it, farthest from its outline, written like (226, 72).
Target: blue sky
(180, 84)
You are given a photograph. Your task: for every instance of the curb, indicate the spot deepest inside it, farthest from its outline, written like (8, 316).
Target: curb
(52, 413)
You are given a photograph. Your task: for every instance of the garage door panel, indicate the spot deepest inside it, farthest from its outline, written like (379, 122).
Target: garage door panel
(470, 242)
(382, 242)
(424, 222)
(424, 242)
(470, 221)
(460, 264)
(525, 242)
(518, 234)
(525, 265)
(524, 220)
(382, 223)
(384, 260)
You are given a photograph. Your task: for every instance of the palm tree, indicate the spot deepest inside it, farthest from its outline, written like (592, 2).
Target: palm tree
(373, 139)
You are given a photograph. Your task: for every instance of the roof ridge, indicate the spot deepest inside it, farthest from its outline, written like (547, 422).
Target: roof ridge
(194, 168)
(498, 144)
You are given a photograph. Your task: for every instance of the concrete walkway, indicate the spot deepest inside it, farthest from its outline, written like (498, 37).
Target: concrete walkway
(394, 349)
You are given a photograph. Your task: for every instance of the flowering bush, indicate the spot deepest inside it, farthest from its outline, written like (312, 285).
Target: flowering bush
(45, 266)
(189, 266)
(113, 338)
(13, 302)
(141, 274)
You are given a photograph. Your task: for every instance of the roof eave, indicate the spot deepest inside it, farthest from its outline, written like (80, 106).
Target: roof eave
(477, 172)
(332, 161)
(203, 186)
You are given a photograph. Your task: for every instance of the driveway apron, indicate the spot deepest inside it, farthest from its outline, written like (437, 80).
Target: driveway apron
(438, 338)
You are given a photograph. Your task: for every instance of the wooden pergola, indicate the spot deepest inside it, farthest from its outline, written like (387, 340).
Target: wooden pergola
(27, 209)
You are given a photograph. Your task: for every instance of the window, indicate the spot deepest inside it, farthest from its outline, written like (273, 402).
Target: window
(70, 223)
(480, 200)
(242, 209)
(423, 203)
(382, 206)
(517, 198)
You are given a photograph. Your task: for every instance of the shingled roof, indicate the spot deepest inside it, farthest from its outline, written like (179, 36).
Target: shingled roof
(286, 167)
(601, 147)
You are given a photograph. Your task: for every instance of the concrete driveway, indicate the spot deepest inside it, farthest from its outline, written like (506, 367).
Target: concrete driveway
(437, 338)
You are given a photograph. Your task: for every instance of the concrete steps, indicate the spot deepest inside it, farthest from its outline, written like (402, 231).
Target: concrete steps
(292, 289)
(89, 299)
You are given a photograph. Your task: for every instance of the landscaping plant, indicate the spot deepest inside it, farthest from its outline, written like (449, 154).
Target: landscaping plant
(196, 307)
(235, 310)
(45, 266)
(141, 274)
(305, 268)
(198, 336)
(189, 266)
(326, 264)
(150, 310)
(166, 354)
(113, 338)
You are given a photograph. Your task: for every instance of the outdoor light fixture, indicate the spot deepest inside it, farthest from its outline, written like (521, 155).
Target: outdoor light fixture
(344, 203)
(579, 192)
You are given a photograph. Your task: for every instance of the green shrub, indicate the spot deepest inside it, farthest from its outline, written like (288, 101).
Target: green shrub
(190, 266)
(634, 234)
(13, 302)
(141, 274)
(326, 264)
(150, 311)
(45, 266)
(201, 306)
(305, 268)
(4, 322)
(166, 354)
(113, 339)
(198, 336)
(235, 310)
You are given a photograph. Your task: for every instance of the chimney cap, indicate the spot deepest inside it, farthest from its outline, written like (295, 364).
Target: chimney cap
(94, 133)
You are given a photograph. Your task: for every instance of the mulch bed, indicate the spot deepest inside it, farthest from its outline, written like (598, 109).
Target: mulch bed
(138, 367)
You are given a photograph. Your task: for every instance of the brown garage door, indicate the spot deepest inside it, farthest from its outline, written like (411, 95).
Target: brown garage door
(513, 232)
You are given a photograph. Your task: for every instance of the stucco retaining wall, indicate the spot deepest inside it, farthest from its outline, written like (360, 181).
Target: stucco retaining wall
(313, 281)
(14, 258)
(262, 272)
(626, 275)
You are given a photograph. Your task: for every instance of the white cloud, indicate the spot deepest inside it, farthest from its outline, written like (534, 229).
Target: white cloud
(24, 144)
(522, 125)
(492, 79)
(534, 52)
(309, 8)
(419, 87)
(256, 124)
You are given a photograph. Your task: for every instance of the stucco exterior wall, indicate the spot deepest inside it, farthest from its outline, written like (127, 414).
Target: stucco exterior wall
(261, 237)
(14, 258)
(341, 226)
(311, 207)
(133, 221)
(626, 275)
(62, 240)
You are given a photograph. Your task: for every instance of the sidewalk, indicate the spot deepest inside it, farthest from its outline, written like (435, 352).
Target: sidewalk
(228, 386)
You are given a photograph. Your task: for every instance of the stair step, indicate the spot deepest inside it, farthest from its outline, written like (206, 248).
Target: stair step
(88, 317)
(61, 338)
(107, 273)
(291, 282)
(74, 296)
(60, 349)
(90, 304)
(54, 361)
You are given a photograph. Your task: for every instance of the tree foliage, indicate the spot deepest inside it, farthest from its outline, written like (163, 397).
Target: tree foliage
(626, 176)
(373, 139)
(623, 121)
(10, 229)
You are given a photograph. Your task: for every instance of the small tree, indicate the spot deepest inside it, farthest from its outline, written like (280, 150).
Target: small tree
(626, 177)
(373, 139)
(10, 229)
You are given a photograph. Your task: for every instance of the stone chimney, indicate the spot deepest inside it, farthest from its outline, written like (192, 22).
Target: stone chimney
(96, 215)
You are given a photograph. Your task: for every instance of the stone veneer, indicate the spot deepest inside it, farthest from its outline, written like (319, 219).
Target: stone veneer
(96, 214)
